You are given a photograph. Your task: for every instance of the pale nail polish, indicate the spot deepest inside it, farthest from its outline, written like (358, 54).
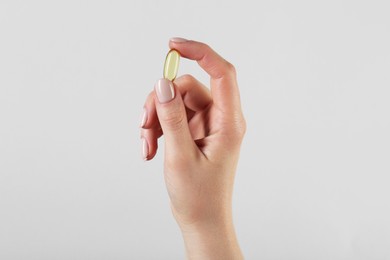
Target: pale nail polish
(145, 149)
(144, 118)
(164, 90)
(178, 39)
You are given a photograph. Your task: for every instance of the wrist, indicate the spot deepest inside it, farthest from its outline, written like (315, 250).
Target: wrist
(212, 240)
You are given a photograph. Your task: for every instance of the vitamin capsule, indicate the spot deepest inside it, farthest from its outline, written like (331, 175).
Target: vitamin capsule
(171, 65)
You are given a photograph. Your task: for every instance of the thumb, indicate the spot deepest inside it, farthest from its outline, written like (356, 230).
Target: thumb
(173, 119)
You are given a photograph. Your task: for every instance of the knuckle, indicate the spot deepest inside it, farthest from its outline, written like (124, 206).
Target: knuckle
(205, 46)
(236, 129)
(187, 79)
(230, 68)
(242, 128)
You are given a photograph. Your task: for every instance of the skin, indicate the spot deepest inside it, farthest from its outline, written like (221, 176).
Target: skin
(203, 131)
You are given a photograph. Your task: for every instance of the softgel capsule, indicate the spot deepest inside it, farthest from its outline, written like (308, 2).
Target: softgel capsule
(171, 65)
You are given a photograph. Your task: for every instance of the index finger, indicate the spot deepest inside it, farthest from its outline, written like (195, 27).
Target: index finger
(224, 87)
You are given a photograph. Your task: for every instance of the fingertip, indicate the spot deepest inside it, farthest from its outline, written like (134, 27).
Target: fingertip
(149, 144)
(177, 40)
(148, 117)
(149, 149)
(179, 44)
(144, 118)
(164, 90)
(144, 148)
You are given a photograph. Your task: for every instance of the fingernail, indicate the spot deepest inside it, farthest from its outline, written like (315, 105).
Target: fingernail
(145, 149)
(165, 91)
(178, 39)
(144, 118)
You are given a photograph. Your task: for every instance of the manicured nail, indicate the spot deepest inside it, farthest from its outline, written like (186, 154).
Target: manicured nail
(145, 149)
(165, 91)
(144, 118)
(178, 39)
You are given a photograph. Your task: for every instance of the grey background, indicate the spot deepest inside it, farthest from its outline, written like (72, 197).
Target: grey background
(313, 179)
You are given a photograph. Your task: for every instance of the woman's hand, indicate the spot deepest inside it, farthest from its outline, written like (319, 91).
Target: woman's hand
(203, 132)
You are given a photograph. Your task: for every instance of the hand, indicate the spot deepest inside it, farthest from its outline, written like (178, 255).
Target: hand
(203, 132)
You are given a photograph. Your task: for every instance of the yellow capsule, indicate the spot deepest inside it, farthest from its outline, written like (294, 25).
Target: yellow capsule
(171, 65)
